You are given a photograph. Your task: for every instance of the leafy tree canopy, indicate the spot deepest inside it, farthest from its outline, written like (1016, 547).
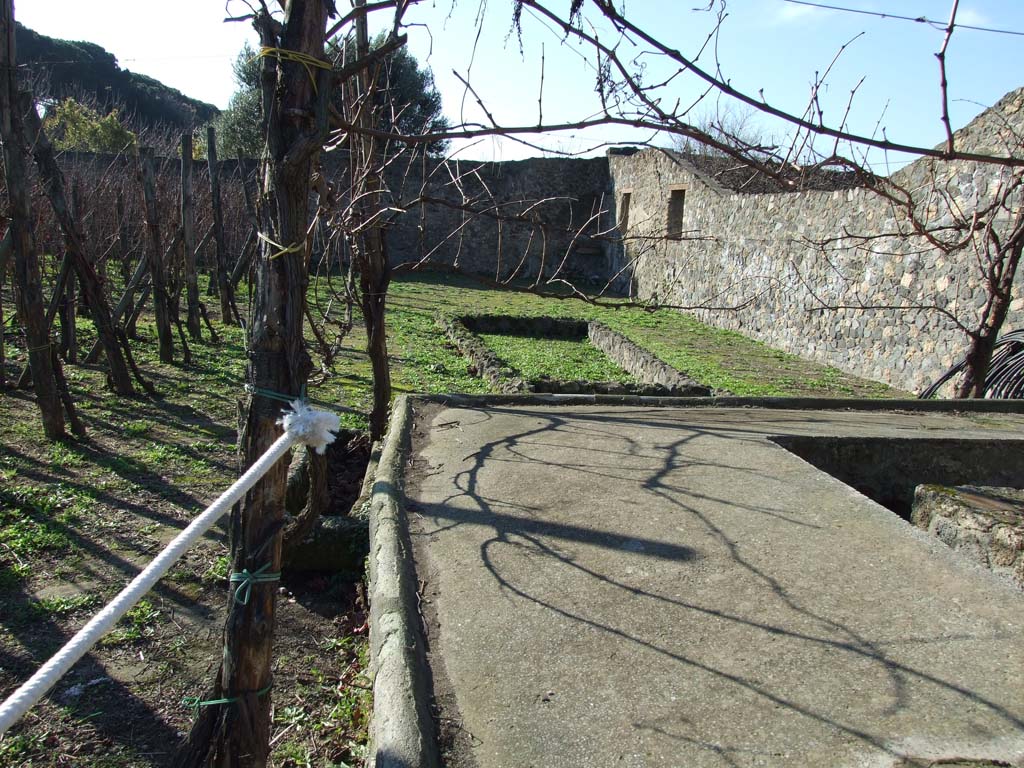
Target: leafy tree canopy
(411, 89)
(71, 125)
(239, 131)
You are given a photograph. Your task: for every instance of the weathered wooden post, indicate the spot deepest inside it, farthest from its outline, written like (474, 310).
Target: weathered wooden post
(67, 310)
(371, 247)
(5, 252)
(124, 251)
(157, 271)
(188, 239)
(223, 283)
(28, 293)
(70, 224)
(234, 726)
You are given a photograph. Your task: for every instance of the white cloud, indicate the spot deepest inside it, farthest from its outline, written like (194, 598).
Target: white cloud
(788, 13)
(972, 17)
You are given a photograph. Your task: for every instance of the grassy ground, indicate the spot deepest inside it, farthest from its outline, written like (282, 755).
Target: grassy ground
(78, 518)
(720, 359)
(556, 359)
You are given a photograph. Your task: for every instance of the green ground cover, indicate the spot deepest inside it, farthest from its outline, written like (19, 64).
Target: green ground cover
(717, 358)
(556, 359)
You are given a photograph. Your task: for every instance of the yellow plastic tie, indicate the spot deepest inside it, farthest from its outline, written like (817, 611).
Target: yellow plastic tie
(284, 54)
(281, 249)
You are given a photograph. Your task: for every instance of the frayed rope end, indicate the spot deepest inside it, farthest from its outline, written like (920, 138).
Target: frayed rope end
(315, 428)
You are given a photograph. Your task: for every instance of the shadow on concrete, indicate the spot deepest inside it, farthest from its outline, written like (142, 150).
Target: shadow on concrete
(607, 429)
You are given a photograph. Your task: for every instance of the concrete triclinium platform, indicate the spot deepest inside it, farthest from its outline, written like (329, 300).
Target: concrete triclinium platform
(650, 586)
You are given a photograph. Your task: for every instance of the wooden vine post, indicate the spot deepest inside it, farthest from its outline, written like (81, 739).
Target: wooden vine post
(223, 280)
(28, 292)
(188, 239)
(370, 246)
(74, 242)
(123, 249)
(157, 270)
(295, 108)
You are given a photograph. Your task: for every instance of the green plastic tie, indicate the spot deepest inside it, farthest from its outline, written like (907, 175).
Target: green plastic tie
(271, 395)
(195, 703)
(246, 578)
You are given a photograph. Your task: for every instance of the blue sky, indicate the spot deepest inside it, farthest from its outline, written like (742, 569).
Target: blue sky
(763, 44)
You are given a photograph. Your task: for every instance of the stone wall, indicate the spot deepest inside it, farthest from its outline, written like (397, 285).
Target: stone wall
(520, 218)
(756, 263)
(985, 524)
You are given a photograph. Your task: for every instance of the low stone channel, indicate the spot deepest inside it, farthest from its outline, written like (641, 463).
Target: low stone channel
(654, 376)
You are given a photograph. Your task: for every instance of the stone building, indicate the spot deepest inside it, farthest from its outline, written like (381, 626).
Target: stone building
(773, 264)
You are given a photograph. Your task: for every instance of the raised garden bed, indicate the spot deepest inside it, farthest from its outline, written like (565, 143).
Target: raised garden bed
(631, 369)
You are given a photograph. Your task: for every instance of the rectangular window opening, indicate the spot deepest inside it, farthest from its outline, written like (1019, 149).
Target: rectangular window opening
(676, 201)
(624, 212)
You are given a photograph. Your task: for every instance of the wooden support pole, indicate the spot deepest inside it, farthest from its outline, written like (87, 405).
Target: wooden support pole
(223, 283)
(157, 269)
(188, 239)
(56, 298)
(237, 734)
(88, 279)
(28, 292)
(244, 259)
(124, 251)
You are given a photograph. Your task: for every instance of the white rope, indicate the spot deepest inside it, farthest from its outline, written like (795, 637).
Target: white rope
(303, 424)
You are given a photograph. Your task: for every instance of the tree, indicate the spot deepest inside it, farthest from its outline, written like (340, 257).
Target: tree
(28, 292)
(239, 126)
(90, 74)
(73, 125)
(414, 103)
(235, 730)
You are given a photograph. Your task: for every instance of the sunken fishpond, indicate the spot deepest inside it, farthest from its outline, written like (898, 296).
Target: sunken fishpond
(610, 363)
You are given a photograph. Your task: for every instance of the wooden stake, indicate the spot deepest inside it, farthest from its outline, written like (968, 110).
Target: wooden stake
(28, 293)
(157, 270)
(70, 224)
(223, 283)
(188, 239)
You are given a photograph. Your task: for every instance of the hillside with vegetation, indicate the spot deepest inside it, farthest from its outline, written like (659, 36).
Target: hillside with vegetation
(58, 69)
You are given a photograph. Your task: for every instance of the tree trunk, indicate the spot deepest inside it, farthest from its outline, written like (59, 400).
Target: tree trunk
(157, 270)
(5, 249)
(92, 288)
(983, 341)
(98, 263)
(223, 283)
(317, 501)
(375, 272)
(239, 732)
(242, 265)
(188, 239)
(66, 312)
(122, 238)
(77, 427)
(56, 299)
(28, 294)
(374, 278)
